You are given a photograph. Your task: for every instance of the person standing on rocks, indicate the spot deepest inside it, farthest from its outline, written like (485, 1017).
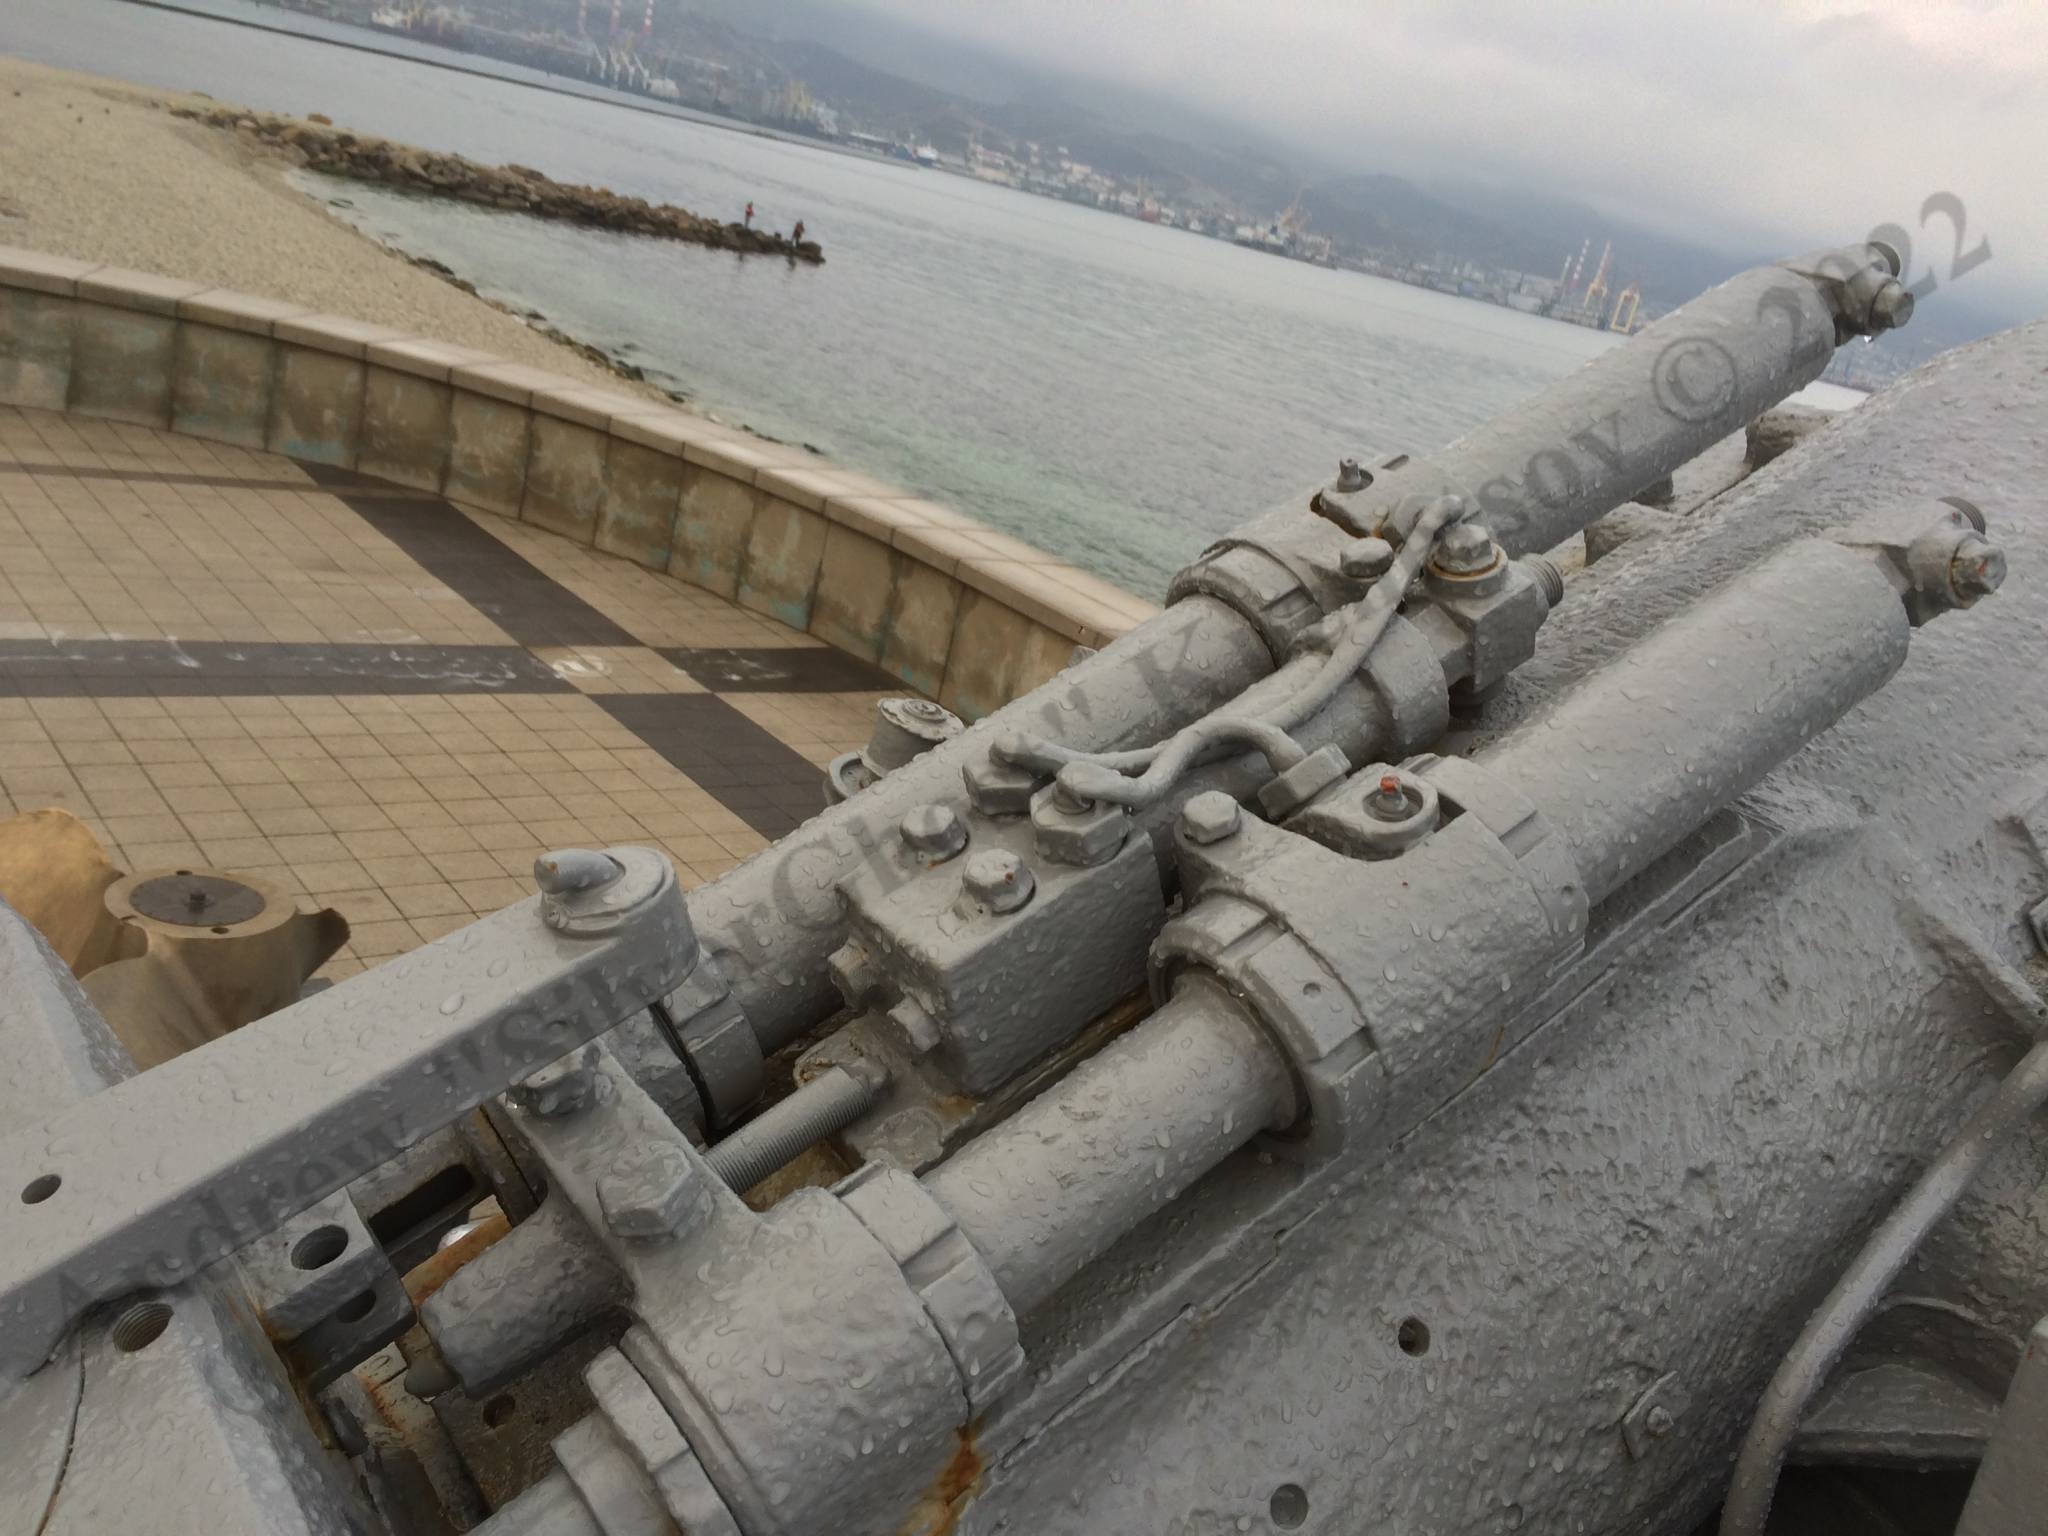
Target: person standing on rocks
(796, 236)
(750, 215)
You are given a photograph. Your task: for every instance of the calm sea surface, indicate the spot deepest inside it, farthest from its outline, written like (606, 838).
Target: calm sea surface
(1115, 392)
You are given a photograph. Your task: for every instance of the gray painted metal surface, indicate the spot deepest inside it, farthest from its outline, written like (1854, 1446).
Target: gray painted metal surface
(178, 1167)
(1507, 1096)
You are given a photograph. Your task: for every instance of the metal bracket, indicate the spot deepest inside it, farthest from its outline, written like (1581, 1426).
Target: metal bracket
(159, 1176)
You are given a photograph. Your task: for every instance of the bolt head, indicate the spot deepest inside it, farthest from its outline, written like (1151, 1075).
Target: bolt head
(651, 1191)
(559, 1089)
(1210, 817)
(998, 879)
(1351, 475)
(1364, 559)
(1465, 549)
(1659, 1423)
(933, 831)
(1977, 569)
(1892, 307)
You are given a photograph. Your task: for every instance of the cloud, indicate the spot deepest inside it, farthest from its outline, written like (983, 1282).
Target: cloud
(1735, 122)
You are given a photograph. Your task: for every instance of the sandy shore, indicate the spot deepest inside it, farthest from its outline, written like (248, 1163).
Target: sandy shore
(94, 169)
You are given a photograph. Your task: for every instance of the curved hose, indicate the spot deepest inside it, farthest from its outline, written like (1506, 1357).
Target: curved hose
(1093, 779)
(1826, 1337)
(1107, 776)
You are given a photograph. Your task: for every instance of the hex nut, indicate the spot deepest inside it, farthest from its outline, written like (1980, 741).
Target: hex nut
(1465, 549)
(1210, 817)
(649, 1191)
(998, 879)
(559, 1089)
(933, 831)
(997, 788)
(1892, 307)
(1977, 569)
(1077, 832)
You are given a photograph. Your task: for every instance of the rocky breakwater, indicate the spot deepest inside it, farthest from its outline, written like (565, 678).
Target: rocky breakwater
(314, 142)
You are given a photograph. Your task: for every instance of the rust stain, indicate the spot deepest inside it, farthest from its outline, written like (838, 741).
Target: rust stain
(936, 1513)
(429, 1275)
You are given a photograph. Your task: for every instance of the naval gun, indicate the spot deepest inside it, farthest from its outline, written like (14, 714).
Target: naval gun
(1409, 1039)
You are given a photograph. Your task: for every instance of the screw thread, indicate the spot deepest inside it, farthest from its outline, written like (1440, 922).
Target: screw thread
(1549, 576)
(822, 1107)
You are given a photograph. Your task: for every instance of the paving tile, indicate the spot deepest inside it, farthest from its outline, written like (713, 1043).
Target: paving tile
(362, 693)
(429, 899)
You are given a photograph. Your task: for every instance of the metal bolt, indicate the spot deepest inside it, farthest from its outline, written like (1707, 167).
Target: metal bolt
(558, 1089)
(999, 880)
(824, 1106)
(1465, 549)
(925, 709)
(1350, 476)
(1659, 1423)
(933, 831)
(1547, 574)
(569, 870)
(1389, 802)
(650, 1191)
(1892, 307)
(1977, 569)
(1366, 558)
(1067, 800)
(1210, 817)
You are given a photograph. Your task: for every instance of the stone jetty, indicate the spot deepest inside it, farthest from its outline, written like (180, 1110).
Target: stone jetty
(315, 143)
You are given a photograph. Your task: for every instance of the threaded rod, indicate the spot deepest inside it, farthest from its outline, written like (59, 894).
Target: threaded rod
(827, 1104)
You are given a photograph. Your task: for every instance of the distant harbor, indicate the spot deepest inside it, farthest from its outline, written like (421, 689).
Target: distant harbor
(1105, 388)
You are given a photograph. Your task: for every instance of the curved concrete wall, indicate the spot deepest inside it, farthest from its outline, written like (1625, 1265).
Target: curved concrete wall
(957, 611)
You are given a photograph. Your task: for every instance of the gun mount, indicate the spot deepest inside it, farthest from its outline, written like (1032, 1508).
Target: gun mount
(1398, 1042)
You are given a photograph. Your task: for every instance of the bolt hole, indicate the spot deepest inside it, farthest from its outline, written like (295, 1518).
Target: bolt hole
(319, 1248)
(356, 1308)
(184, 871)
(40, 1188)
(140, 1325)
(499, 1410)
(1289, 1506)
(1412, 1336)
(218, 928)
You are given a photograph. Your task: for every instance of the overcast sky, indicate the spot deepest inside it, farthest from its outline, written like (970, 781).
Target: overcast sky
(1736, 122)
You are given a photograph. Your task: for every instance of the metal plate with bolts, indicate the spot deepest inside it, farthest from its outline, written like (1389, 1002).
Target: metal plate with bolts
(195, 900)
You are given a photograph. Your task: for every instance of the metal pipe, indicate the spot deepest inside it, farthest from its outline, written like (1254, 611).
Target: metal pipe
(1056, 1184)
(1644, 750)
(825, 1105)
(1827, 1335)
(1544, 469)
(773, 921)
(541, 1283)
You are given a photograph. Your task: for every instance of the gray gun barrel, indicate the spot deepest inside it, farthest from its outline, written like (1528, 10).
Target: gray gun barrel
(1643, 751)
(1074, 1170)
(1541, 471)
(1549, 466)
